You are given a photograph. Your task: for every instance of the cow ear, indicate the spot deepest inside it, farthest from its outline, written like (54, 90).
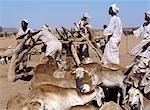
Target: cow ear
(141, 100)
(147, 89)
(149, 63)
(135, 83)
(73, 72)
(125, 100)
(35, 104)
(86, 71)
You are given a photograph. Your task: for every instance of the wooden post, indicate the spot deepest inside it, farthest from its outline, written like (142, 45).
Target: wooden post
(17, 57)
(12, 66)
(99, 53)
(75, 56)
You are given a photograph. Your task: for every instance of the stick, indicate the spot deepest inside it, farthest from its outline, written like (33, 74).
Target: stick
(96, 50)
(74, 53)
(127, 48)
(12, 66)
(59, 33)
(17, 58)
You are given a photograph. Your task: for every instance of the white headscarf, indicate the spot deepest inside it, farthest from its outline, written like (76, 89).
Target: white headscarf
(45, 26)
(86, 15)
(26, 21)
(115, 8)
(148, 13)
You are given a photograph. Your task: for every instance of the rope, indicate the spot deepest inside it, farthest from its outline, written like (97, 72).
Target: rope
(127, 48)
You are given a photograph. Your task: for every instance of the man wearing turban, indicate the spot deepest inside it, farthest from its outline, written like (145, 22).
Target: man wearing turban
(53, 45)
(20, 36)
(114, 32)
(83, 27)
(143, 48)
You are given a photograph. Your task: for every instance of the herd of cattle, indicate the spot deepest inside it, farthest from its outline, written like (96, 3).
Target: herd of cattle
(88, 86)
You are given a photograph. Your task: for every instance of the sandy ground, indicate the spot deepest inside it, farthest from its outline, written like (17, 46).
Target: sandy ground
(8, 89)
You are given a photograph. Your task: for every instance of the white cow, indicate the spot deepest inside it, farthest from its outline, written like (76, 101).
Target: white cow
(57, 98)
(101, 75)
(135, 99)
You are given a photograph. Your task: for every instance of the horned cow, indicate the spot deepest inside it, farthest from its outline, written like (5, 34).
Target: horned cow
(101, 76)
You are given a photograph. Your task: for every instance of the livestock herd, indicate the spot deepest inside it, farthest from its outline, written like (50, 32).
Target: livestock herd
(86, 86)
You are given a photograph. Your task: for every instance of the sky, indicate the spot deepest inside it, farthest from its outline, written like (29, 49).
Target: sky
(57, 13)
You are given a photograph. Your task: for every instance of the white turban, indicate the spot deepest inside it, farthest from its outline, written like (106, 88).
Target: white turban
(148, 13)
(45, 26)
(26, 21)
(86, 15)
(115, 8)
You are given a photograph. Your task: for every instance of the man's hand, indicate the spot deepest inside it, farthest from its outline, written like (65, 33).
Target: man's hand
(28, 32)
(145, 24)
(104, 26)
(145, 46)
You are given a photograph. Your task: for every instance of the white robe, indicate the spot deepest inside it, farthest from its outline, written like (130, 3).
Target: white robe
(21, 32)
(81, 24)
(111, 52)
(84, 25)
(54, 46)
(144, 34)
(146, 53)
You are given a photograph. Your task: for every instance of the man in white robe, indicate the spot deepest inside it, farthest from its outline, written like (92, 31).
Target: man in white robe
(143, 33)
(22, 32)
(114, 33)
(145, 53)
(82, 27)
(53, 45)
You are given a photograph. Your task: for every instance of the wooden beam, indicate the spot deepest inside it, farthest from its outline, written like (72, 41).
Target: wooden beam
(99, 53)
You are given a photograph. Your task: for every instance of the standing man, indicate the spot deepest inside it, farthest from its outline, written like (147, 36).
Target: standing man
(23, 31)
(143, 33)
(19, 58)
(114, 32)
(83, 27)
(53, 45)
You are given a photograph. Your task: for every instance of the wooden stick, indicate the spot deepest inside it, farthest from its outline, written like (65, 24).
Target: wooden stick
(99, 53)
(75, 55)
(17, 57)
(12, 66)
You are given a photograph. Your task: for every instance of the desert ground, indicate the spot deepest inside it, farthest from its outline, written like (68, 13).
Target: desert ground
(8, 89)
